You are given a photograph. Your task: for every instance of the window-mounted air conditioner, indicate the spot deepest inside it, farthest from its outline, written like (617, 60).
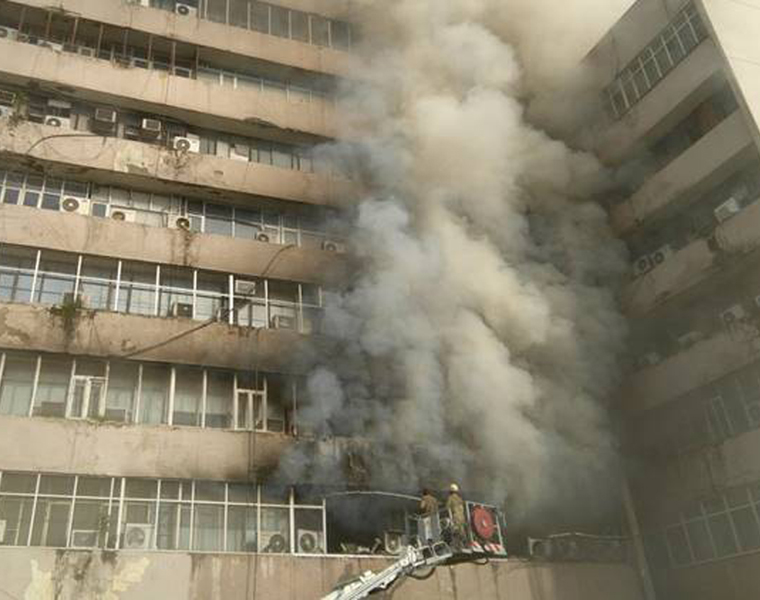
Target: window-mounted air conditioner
(104, 119)
(140, 63)
(137, 536)
(283, 322)
(263, 237)
(123, 214)
(7, 98)
(84, 538)
(180, 222)
(73, 204)
(733, 314)
(150, 128)
(182, 309)
(60, 122)
(273, 541)
(186, 10)
(308, 541)
(642, 265)
(727, 210)
(187, 144)
(245, 288)
(8, 33)
(50, 45)
(333, 246)
(86, 51)
(183, 72)
(660, 256)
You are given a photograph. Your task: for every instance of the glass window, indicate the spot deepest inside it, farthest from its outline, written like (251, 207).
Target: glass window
(700, 540)
(138, 522)
(51, 522)
(52, 388)
(679, 547)
(320, 31)
(239, 13)
(241, 529)
(51, 202)
(219, 396)
(11, 196)
(141, 488)
(216, 10)
(97, 284)
(275, 530)
(210, 491)
(17, 514)
(280, 21)
(90, 525)
(674, 48)
(16, 273)
(60, 485)
(16, 385)
(218, 219)
(188, 391)
(121, 392)
(154, 397)
(94, 486)
(176, 289)
(243, 493)
(18, 483)
(173, 526)
(212, 297)
(137, 294)
(299, 23)
(723, 536)
(282, 156)
(746, 526)
(339, 35)
(209, 528)
(56, 277)
(260, 16)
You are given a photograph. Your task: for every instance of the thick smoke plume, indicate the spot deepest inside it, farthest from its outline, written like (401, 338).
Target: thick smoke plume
(479, 340)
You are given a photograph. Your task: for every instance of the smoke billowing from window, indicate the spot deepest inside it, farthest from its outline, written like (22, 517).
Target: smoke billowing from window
(479, 340)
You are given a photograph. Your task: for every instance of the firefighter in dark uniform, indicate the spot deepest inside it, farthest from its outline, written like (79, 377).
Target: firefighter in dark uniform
(428, 529)
(455, 506)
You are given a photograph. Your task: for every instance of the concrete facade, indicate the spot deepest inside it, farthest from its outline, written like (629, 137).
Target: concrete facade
(690, 222)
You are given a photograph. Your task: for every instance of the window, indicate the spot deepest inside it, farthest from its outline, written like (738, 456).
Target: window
(154, 395)
(97, 284)
(188, 395)
(16, 273)
(212, 296)
(17, 384)
(219, 399)
(176, 292)
(137, 294)
(280, 20)
(121, 394)
(320, 32)
(52, 387)
(56, 278)
(87, 390)
(299, 23)
(260, 16)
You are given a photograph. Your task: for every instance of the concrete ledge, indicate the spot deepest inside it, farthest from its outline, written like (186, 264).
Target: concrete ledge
(114, 335)
(106, 237)
(130, 162)
(30, 572)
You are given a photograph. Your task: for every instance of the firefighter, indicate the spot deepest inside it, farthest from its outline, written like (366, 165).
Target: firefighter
(455, 506)
(428, 528)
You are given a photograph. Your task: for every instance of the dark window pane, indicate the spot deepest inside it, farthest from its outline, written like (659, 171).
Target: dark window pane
(299, 23)
(700, 540)
(260, 17)
(747, 528)
(319, 31)
(725, 544)
(19, 483)
(339, 35)
(280, 21)
(10, 196)
(679, 548)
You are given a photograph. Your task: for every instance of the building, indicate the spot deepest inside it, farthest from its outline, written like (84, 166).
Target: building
(165, 244)
(681, 127)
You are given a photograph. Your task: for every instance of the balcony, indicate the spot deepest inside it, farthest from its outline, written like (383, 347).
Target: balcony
(210, 104)
(694, 171)
(691, 82)
(694, 263)
(243, 42)
(166, 340)
(690, 369)
(138, 162)
(116, 239)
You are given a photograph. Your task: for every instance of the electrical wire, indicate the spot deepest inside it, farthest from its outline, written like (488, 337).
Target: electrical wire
(62, 135)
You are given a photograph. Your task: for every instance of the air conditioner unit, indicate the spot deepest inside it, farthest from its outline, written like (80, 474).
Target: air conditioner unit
(62, 122)
(727, 210)
(245, 288)
(87, 51)
(104, 118)
(283, 322)
(150, 127)
(186, 10)
(660, 256)
(273, 541)
(394, 542)
(186, 144)
(25, 37)
(308, 542)
(50, 45)
(180, 222)
(642, 265)
(137, 536)
(140, 63)
(84, 538)
(540, 548)
(8, 33)
(239, 152)
(3, 526)
(182, 309)
(7, 98)
(262, 237)
(733, 314)
(689, 339)
(123, 214)
(333, 246)
(72, 204)
(183, 72)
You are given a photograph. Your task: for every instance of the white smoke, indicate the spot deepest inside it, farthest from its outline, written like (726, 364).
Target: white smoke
(480, 339)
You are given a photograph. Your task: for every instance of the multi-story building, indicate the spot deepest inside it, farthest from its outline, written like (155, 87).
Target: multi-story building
(167, 234)
(682, 101)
